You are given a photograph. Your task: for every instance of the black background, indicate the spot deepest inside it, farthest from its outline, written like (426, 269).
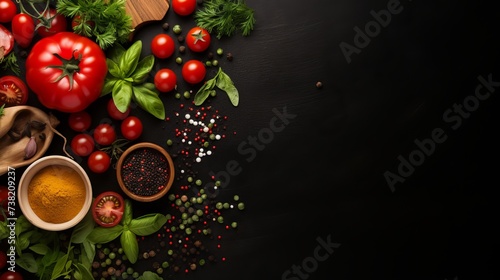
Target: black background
(323, 175)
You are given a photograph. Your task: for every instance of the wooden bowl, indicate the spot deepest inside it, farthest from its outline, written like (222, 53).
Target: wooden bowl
(145, 181)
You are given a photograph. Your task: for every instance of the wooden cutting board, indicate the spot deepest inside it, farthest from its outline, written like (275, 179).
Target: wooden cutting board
(144, 11)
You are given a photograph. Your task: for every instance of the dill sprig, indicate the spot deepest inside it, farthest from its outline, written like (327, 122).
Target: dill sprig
(225, 17)
(105, 21)
(10, 62)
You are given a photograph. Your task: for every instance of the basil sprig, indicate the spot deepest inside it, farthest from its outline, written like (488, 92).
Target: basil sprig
(126, 80)
(128, 231)
(222, 81)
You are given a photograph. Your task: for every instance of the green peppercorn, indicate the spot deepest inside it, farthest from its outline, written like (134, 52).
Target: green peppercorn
(199, 200)
(220, 219)
(173, 229)
(190, 179)
(112, 255)
(177, 95)
(171, 196)
(218, 183)
(241, 205)
(201, 262)
(234, 224)
(178, 202)
(195, 218)
(213, 93)
(226, 205)
(106, 251)
(130, 270)
(236, 197)
(135, 274)
(108, 261)
(170, 252)
(184, 216)
(199, 212)
(212, 136)
(124, 275)
(165, 264)
(177, 29)
(178, 60)
(215, 62)
(220, 51)
(187, 94)
(198, 182)
(206, 144)
(188, 231)
(208, 63)
(159, 270)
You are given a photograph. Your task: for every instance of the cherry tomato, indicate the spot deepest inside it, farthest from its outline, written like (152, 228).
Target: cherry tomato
(165, 80)
(82, 144)
(3, 260)
(198, 39)
(104, 134)
(4, 200)
(162, 46)
(13, 91)
(193, 71)
(6, 41)
(131, 128)
(52, 23)
(114, 113)
(11, 275)
(108, 208)
(8, 10)
(23, 29)
(183, 7)
(98, 161)
(79, 121)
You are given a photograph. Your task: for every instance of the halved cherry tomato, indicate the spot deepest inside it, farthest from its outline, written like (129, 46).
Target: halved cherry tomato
(23, 29)
(6, 41)
(198, 39)
(108, 208)
(13, 91)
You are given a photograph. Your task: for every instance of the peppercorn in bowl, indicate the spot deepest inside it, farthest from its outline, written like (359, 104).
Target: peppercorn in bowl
(145, 172)
(54, 193)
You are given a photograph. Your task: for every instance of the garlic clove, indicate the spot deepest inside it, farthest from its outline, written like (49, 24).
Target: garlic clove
(30, 149)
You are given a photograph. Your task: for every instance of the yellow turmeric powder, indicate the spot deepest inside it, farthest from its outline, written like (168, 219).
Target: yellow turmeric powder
(56, 194)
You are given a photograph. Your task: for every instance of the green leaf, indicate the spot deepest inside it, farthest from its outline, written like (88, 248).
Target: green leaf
(149, 275)
(122, 95)
(85, 272)
(114, 69)
(129, 60)
(101, 235)
(127, 215)
(27, 262)
(149, 100)
(59, 268)
(225, 83)
(88, 253)
(143, 69)
(130, 246)
(115, 53)
(147, 224)
(204, 92)
(82, 229)
(40, 248)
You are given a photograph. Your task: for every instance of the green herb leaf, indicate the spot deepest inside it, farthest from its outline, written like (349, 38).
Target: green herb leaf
(115, 53)
(129, 60)
(85, 272)
(127, 215)
(109, 84)
(149, 275)
(39, 248)
(27, 261)
(147, 224)
(149, 100)
(1, 114)
(59, 268)
(122, 95)
(204, 91)
(88, 253)
(225, 83)
(114, 69)
(143, 69)
(101, 235)
(82, 229)
(130, 246)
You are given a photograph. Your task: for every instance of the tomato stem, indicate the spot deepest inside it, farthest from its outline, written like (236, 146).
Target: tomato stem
(68, 67)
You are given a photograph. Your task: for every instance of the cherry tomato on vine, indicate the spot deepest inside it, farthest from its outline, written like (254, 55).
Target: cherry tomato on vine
(6, 40)
(23, 29)
(131, 128)
(113, 111)
(8, 10)
(52, 23)
(162, 46)
(11, 275)
(82, 144)
(104, 134)
(13, 91)
(193, 71)
(183, 7)
(198, 39)
(79, 121)
(99, 161)
(165, 80)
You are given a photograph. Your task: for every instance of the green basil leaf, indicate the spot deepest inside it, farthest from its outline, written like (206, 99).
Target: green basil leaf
(114, 69)
(101, 235)
(59, 268)
(27, 261)
(130, 246)
(143, 69)
(127, 215)
(122, 95)
(147, 224)
(129, 60)
(116, 52)
(87, 253)
(149, 100)
(225, 83)
(149, 275)
(85, 272)
(83, 228)
(51, 256)
(204, 92)
(40, 248)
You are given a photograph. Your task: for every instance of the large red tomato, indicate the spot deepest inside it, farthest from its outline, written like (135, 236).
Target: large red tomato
(66, 71)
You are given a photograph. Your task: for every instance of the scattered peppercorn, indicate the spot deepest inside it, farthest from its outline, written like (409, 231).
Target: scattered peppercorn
(165, 26)
(319, 84)
(177, 29)
(229, 56)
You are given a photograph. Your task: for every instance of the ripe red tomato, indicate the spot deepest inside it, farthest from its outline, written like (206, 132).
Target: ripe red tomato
(11, 275)
(165, 80)
(80, 81)
(198, 39)
(113, 111)
(107, 209)
(193, 71)
(82, 144)
(183, 7)
(8, 10)
(79, 121)
(99, 161)
(131, 128)
(52, 23)
(162, 46)
(6, 41)
(104, 134)
(23, 29)
(13, 91)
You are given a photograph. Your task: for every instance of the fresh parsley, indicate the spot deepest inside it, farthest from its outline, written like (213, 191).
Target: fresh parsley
(225, 17)
(222, 81)
(10, 62)
(1, 110)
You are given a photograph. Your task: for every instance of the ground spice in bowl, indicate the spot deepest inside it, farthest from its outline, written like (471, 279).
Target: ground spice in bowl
(56, 194)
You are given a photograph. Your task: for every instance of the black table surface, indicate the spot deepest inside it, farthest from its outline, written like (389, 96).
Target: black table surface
(387, 171)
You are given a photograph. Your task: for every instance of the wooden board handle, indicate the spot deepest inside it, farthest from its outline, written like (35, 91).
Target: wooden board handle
(143, 11)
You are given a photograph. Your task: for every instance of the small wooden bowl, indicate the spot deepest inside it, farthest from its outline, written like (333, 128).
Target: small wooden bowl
(120, 172)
